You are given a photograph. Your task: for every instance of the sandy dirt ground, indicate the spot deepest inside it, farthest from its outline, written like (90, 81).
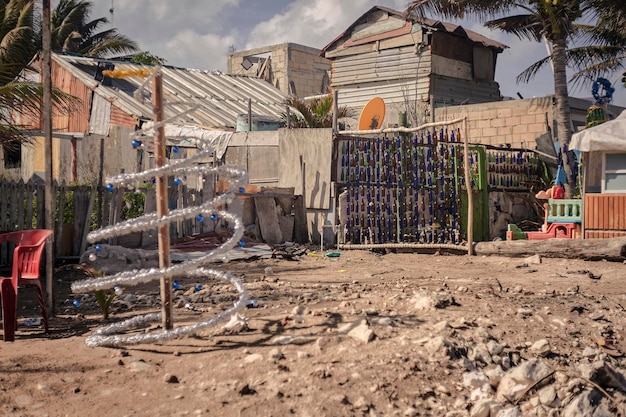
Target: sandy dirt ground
(362, 334)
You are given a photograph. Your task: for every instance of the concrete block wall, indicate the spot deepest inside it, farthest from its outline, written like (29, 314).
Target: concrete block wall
(514, 122)
(307, 70)
(291, 62)
(509, 208)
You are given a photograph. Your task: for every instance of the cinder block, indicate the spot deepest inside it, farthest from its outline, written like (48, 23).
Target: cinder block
(503, 113)
(490, 131)
(513, 121)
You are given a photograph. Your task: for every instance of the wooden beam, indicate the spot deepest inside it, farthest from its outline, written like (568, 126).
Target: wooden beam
(50, 193)
(162, 201)
(470, 192)
(613, 249)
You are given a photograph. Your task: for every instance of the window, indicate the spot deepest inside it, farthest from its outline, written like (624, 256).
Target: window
(614, 173)
(12, 155)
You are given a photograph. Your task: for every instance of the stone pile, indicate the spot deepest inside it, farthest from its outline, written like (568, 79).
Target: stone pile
(527, 380)
(416, 346)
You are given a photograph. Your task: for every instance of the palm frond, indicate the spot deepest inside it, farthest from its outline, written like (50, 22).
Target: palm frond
(525, 26)
(585, 56)
(89, 28)
(26, 98)
(482, 9)
(318, 113)
(109, 46)
(72, 31)
(530, 72)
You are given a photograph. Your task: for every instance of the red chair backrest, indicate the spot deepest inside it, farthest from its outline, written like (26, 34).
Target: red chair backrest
(29, 246)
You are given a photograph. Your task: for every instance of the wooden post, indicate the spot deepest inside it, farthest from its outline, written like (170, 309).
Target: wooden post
(470, 196)
(73, 161)
(162, 200)
(100, 183)
(583, 191)
(47, 128)
(432, 98)
(336, 110)
(249, 115)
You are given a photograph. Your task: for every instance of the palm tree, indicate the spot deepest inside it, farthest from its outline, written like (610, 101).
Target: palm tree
(602, 52)
(73, 32)
(315, 114)
(17, 44)
(535, 20)
(25, 98)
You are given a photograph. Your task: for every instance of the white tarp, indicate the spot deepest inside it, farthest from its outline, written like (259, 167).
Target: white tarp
(608, 136)
(196, 136)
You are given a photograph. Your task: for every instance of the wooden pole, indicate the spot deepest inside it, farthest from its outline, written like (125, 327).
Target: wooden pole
(162, 200)
(100, 181)
(73, 161)
(249, 115)
(470, 195)
(46, 74)
(583, 191)
(335, 111)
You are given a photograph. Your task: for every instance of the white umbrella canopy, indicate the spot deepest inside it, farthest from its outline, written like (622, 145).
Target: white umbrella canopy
(608, 136)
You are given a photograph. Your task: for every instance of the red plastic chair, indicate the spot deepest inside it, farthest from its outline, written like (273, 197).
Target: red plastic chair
(29, 246)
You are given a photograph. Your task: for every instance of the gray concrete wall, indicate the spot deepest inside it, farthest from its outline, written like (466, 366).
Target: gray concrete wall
(298, 158)
(509, 208)
(289, 62)
(305, 164)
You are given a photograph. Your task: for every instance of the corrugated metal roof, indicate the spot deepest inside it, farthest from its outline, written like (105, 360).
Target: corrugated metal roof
(220, 97)
(430, 23)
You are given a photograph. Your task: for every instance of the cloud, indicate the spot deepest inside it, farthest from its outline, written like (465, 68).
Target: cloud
(196, 33)
(198, 51)
(312, 23)
(165, 18)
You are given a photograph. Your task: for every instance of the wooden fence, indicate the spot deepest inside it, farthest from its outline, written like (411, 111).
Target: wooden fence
(604, 215)
(80, 209)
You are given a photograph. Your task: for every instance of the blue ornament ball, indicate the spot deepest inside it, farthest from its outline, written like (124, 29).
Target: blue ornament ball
(198, 287)
(242, 190)
(176, 285)
(76, 303)
(200, 218)
(175, 149)
(213, 217)
(98, 248)
(109, 187)
(242, 243)
(178, 181)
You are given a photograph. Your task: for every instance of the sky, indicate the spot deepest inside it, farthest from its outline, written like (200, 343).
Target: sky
(200, 33)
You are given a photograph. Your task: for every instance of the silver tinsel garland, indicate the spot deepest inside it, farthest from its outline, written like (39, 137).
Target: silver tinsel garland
(113, 334)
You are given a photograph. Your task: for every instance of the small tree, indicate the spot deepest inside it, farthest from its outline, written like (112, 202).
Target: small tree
(316, 113)
(146, 57)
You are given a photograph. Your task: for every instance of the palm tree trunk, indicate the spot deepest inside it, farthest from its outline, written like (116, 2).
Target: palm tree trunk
(563, 116)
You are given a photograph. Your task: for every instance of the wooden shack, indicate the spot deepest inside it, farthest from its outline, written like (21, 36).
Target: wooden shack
(95, 139)
(413, 64)
(604, 162)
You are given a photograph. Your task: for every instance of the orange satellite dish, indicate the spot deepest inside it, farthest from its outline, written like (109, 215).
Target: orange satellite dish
(372, 115)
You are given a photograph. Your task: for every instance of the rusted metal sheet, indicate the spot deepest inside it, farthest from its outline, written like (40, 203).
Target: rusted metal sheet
(378, 13)
(391, 64)
(100, 116)
(604, 215)
(120, 118)
(603, 234)
(220, 97)
(78, 119)
(453, 91)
